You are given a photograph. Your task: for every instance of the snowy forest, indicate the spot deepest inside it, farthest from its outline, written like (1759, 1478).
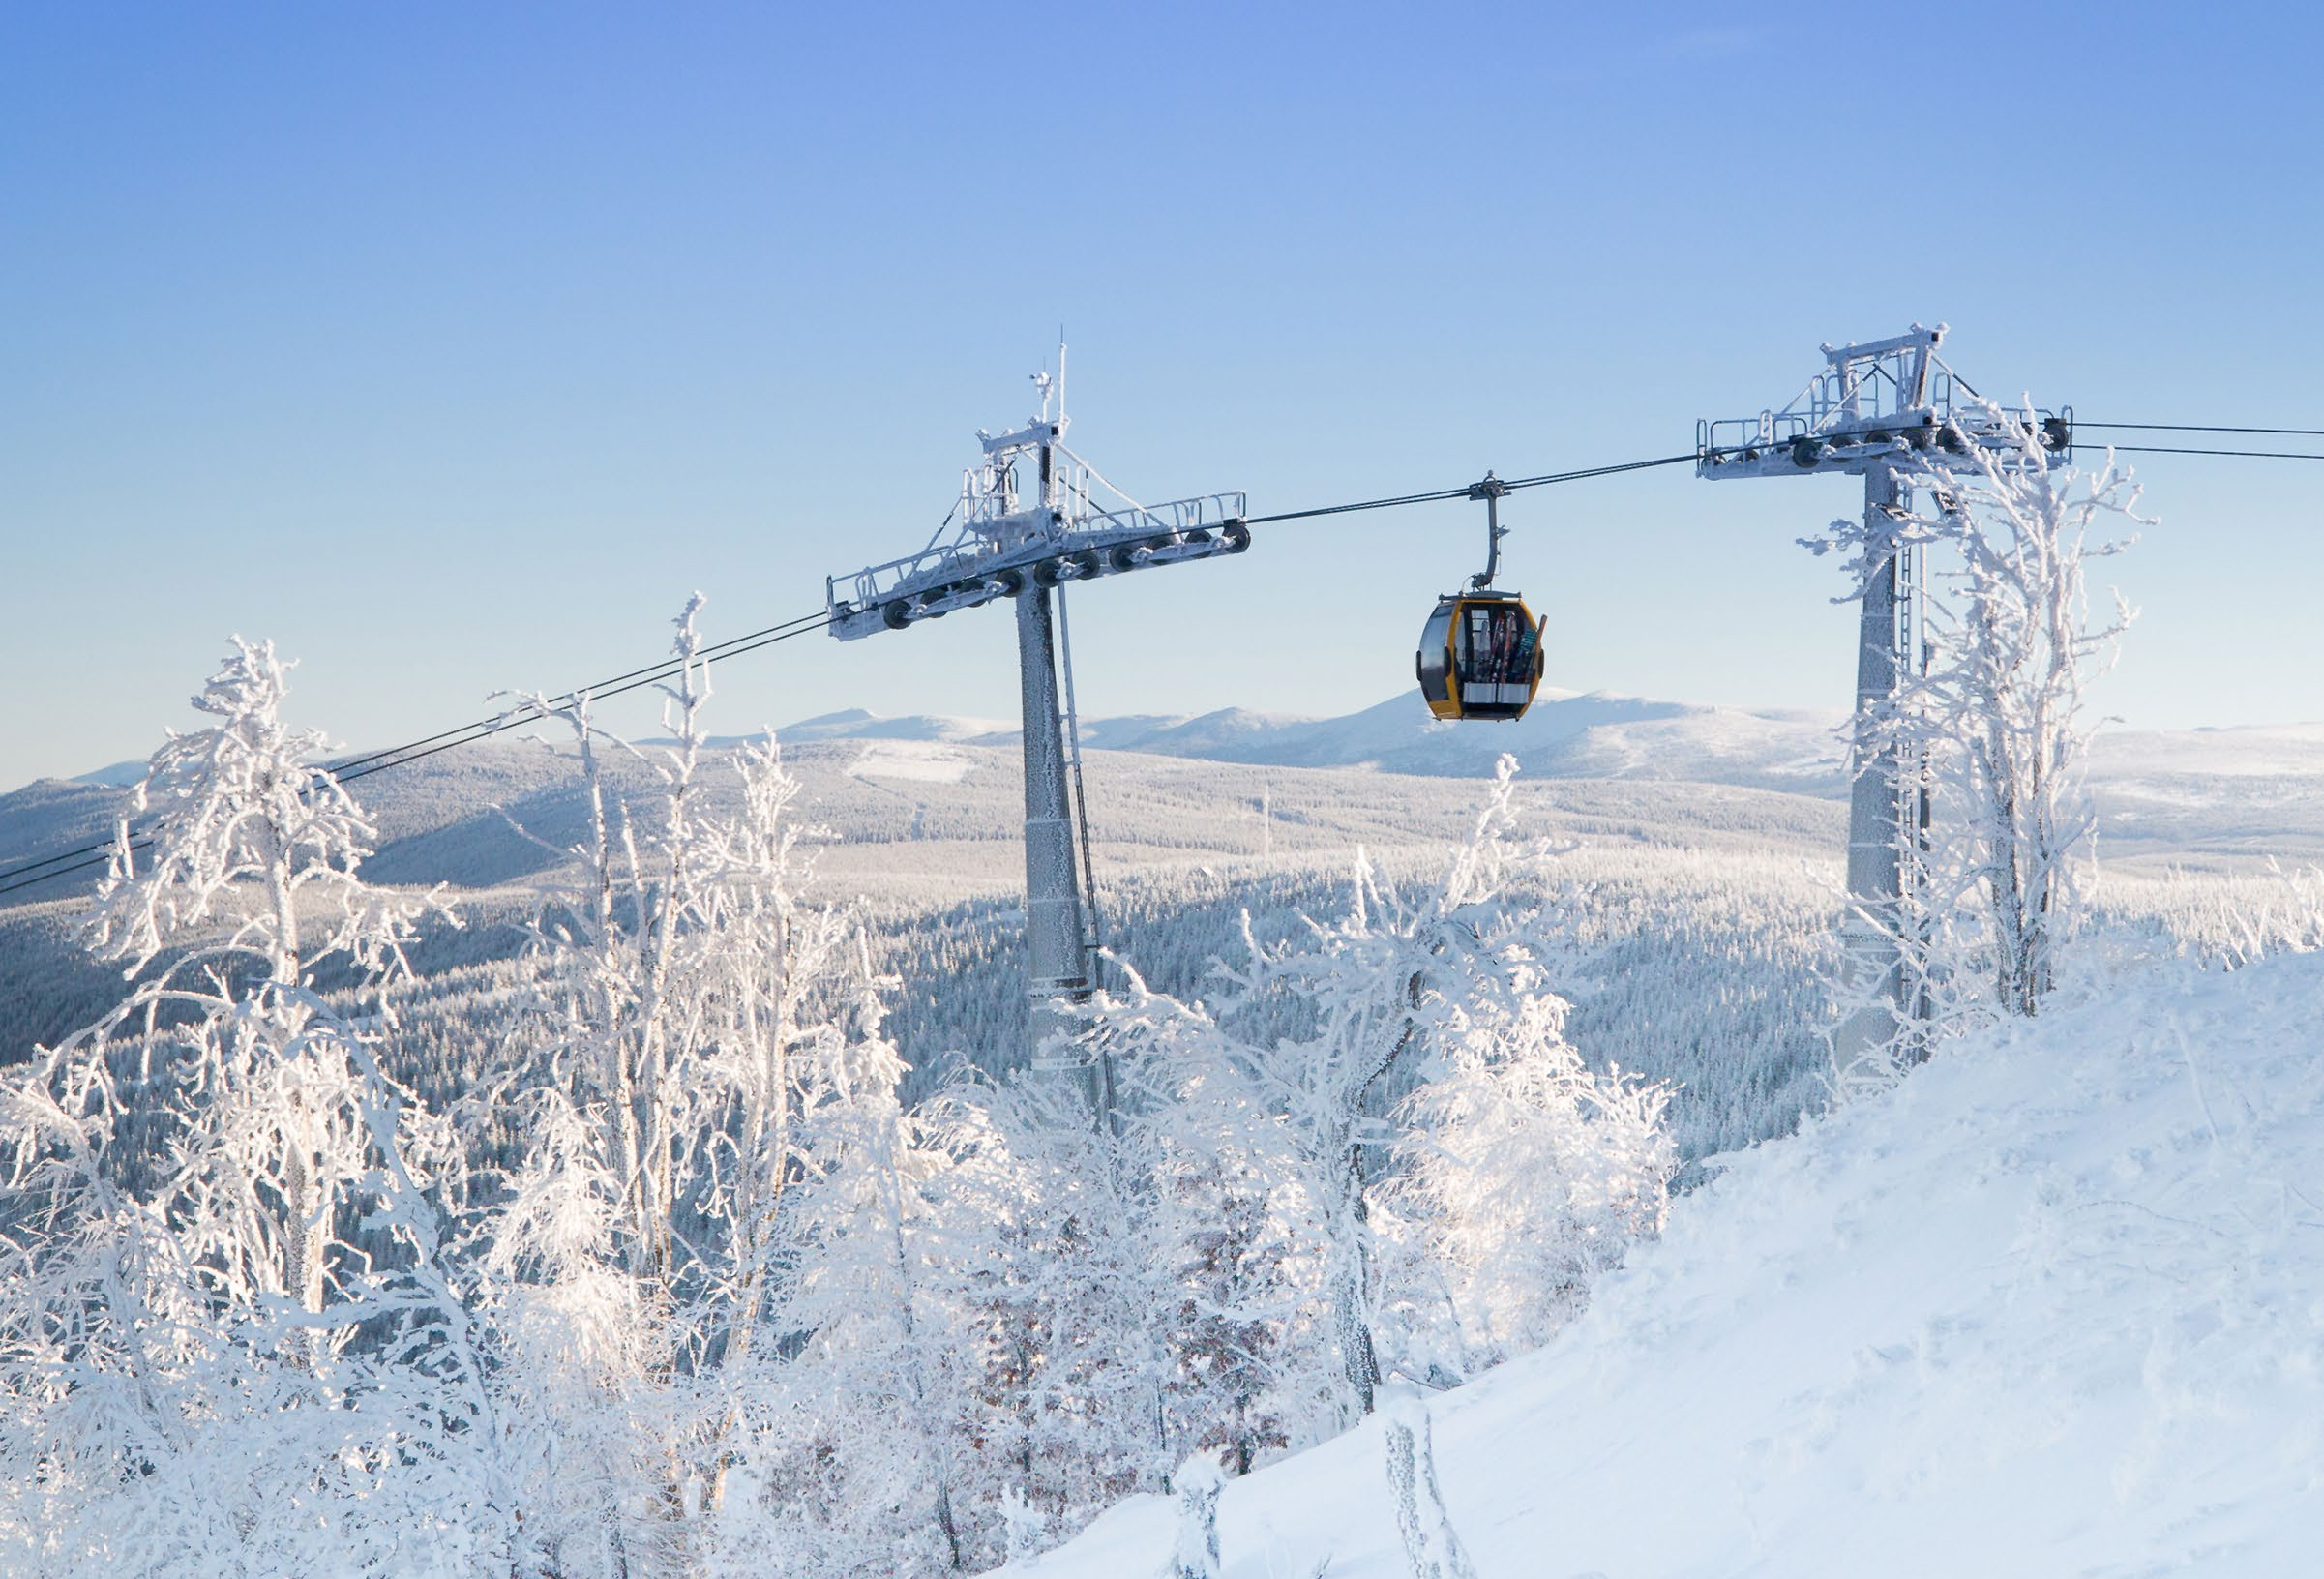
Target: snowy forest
(716, 1224)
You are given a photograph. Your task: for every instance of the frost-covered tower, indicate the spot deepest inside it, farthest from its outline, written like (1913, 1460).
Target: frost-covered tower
(1877, 410)
(1014, 536)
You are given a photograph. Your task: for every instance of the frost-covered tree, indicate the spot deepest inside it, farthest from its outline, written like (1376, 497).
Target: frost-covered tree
(1064, 1288)
(858, 1421)
(701, 1054)
(1380, 985)
(1101, 1298)
(570, 1339)
(233, 1341)
(1242, 1383)
(1445, 993)
(1520, 1175)
(2013, 673)
(1996, 728)
(1223, 1265)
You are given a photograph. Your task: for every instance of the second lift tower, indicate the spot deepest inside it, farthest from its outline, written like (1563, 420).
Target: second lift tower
(1879, 409)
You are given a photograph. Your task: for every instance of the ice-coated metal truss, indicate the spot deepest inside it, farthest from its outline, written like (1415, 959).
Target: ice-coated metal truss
(999, 537)
(1872, 402)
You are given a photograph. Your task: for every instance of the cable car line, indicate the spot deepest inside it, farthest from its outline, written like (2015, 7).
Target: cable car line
(2255, 455)
(2203, 428)
(1440, 494)
(1600, 471)
(666, 666)
(355, 768)
(1436, 497)
(529, 713)
(30, 873)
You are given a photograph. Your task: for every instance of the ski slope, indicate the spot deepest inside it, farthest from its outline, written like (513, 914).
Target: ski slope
(2055, 1306)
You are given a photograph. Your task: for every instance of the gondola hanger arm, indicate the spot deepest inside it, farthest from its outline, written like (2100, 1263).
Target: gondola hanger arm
(1492, 491)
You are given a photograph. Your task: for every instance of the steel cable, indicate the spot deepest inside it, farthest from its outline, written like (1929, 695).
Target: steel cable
(97, 854)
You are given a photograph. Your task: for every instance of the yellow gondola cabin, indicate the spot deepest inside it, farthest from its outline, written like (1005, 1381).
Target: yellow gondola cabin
(1480, 657)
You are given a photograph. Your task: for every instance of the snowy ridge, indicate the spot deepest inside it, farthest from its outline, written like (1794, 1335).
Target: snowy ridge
(1567, 735)
(2053, 1306)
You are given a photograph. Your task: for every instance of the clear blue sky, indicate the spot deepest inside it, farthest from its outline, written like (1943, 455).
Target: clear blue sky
(452, 345)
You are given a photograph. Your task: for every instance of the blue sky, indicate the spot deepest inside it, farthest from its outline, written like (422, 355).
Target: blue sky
(452, 346)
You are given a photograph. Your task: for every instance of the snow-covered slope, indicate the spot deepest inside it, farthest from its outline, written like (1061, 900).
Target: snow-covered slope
(2053, 1307)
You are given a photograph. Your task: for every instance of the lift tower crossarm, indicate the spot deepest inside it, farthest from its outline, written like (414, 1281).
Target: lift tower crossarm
(1003, 543)
(1874, 400)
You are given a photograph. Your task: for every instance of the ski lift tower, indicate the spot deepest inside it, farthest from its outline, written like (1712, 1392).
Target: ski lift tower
(1875, 409)
(1007, 539)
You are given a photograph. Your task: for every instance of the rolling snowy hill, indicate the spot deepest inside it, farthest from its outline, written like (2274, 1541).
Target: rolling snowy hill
(2054, 1306)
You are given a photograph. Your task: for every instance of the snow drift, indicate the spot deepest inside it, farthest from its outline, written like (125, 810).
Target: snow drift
(2054, 1305)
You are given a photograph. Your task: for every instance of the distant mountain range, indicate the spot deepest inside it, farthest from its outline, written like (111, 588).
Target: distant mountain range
(1567, 735)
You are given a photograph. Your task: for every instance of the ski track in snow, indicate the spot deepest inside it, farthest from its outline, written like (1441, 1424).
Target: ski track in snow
(2054, 1306)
